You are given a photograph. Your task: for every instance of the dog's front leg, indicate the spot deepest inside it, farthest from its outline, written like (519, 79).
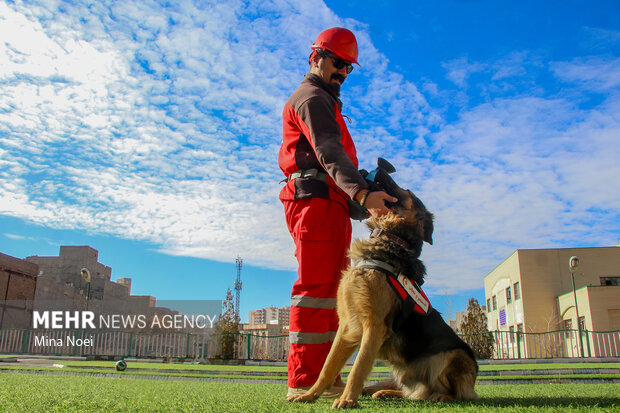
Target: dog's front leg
(372, 338)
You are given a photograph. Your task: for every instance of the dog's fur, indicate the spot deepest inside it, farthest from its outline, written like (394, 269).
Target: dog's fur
(429, 361)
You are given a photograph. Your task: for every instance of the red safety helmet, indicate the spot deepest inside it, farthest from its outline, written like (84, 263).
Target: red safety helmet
(340, 42)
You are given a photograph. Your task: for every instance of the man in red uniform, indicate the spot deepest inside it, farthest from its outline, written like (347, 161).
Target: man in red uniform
(319, 160)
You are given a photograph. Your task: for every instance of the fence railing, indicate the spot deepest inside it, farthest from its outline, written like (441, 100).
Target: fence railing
(244, 346)
(132, 344)
(554, 344)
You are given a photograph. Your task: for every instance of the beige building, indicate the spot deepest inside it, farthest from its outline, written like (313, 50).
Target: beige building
(532, 292)
(270, 315)
(264, 329)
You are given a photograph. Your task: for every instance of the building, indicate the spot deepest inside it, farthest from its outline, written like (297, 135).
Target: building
(264, 329)
(60, 285)
(459, 317)
(532, 292)
(18, 280)
(270, 315)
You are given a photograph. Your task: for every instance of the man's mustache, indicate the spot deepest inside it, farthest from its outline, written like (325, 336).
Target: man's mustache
(338, 76)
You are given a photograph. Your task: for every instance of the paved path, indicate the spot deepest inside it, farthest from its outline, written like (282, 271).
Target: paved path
(546, 376)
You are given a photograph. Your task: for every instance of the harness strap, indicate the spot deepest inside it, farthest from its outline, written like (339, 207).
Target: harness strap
(408, 290)
(307, 173)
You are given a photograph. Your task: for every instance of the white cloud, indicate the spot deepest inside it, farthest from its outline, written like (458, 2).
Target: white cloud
(459, 70)
(600, 74)
(521, 173)
(164, 125)
(170, 136)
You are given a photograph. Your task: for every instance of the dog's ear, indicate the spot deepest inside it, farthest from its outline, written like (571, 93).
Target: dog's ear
(427, 218)
(428, 228)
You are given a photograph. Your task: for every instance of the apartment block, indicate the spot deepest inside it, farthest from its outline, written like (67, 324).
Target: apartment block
(270, 315)
(532, 292)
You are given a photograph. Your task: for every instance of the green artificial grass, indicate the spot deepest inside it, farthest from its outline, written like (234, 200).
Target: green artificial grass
(69, 370)
(548, 366)
(44, 393)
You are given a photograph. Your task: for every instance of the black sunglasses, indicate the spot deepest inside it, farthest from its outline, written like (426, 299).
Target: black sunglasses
(338, 62)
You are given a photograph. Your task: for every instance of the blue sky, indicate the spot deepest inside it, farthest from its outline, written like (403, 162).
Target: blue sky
(150, 131)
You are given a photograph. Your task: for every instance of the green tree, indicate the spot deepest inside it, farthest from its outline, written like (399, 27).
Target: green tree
(475, 332)
(230, 327)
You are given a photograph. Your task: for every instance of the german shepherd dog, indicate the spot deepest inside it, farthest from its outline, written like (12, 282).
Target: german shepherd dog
(428, 360)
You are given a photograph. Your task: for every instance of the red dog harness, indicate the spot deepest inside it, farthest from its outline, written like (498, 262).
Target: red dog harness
(409, 291)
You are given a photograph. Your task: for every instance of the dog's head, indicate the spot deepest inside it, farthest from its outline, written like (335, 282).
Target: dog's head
(408, 207)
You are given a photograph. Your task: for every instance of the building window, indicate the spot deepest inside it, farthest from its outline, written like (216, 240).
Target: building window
(520, 328)
(512, 332)
(610, 280)
(582, 323)
(494, 298)
(568, 326)
(517, 291)
(489, 305)
(502, 317)
(508, 295)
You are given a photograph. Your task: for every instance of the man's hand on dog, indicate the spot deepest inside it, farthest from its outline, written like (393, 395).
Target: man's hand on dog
(375, 202)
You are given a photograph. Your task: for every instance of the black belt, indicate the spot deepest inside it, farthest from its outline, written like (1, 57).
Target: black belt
(307, 173)
(356, 211)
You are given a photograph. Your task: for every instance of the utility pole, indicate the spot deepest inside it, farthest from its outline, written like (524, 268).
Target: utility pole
(239, 264)
(573, 263)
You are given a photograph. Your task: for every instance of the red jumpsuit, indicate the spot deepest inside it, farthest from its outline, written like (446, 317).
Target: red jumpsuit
(315, 136)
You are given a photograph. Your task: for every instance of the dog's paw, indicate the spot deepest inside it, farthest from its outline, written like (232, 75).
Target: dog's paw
(303, 398)
(385, 394)
(440, 397)
(343, 403)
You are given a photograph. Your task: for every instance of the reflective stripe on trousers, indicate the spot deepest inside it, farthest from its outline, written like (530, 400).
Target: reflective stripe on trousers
(299, 337)
(312, 338)
(313, 302)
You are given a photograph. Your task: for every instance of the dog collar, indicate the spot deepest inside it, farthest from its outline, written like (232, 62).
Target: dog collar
(376, 233)
(406, 289)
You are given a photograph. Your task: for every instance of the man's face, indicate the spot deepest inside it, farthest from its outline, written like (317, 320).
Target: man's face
(324, 68)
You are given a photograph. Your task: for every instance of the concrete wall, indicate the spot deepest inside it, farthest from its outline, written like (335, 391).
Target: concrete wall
(18, 279)
(604, 308)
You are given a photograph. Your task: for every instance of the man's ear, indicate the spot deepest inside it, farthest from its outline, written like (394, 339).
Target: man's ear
(314, 59)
